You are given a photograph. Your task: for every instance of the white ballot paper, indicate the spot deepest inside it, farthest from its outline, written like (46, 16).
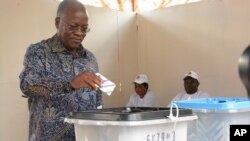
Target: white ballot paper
(107, 85)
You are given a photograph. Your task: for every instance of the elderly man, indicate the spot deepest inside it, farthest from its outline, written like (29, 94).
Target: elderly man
(59, 76)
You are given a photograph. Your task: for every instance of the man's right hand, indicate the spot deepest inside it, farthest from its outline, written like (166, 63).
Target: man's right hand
(86, 79)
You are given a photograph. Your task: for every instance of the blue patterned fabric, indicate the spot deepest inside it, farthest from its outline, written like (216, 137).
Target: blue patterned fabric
(45, 80)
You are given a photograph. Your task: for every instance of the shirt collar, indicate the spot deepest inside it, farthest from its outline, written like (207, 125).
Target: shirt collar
(57, 46)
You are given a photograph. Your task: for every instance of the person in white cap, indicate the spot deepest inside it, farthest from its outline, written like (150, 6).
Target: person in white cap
(191, 84)
(142, 97)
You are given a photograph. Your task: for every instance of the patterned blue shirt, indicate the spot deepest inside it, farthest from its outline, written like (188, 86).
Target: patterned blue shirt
(45, 80)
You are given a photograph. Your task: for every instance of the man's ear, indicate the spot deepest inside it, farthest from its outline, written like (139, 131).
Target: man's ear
(57, 22)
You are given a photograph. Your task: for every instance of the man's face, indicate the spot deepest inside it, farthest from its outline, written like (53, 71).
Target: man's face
(140, 90)
(72, 27)
(191, 85)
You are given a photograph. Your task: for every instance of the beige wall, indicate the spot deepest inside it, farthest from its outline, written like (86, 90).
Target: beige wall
(113, 39)
(207, 37)
(22, 23)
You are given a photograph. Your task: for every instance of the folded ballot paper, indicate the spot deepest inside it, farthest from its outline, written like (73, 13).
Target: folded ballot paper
(107, 85)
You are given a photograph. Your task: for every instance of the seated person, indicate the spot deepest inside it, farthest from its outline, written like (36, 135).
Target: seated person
(191, 84)
(142, 97)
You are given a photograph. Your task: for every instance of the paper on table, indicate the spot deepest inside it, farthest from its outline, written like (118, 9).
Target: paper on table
(107, 85)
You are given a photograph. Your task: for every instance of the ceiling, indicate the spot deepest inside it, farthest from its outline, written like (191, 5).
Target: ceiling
(135, 5)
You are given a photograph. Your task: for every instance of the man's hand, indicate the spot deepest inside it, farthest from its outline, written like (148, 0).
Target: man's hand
(86, 79)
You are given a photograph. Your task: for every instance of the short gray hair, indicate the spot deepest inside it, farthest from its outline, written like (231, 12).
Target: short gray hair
(64, 4)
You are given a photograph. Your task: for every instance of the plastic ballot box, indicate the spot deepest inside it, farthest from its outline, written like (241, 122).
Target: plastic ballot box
(215, 115)
(131, 124)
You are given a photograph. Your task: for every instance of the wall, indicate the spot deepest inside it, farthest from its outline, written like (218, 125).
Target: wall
(22, 23)
(207, 37)
(113, 39)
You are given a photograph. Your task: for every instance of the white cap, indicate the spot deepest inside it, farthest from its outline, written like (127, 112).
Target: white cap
(141, 78)
(191, 74)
